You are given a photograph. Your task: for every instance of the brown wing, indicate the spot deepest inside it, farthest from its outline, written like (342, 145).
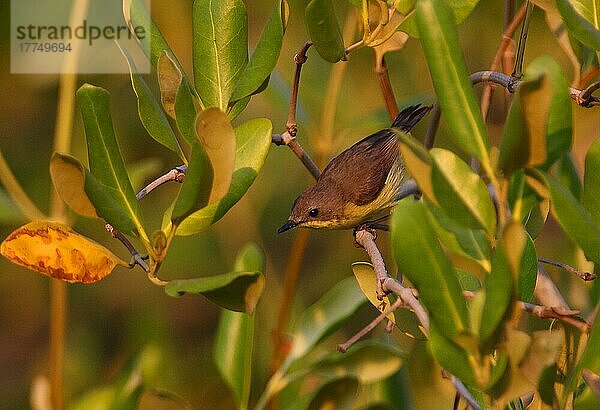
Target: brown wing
(360, 171)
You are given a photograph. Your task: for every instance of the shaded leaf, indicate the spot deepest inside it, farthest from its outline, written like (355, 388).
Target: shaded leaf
(582, 19)
(196, 187)
(419, 164)
(575, 220)
(110, 190)
(451, 356)
(463, 193)
(185, 112)
(253, 139)
(220, 49)
(589, 359)
(58, 251)
(169, 81)
(217, 136)
(450, 79)
(235, 335)
(567, 174)
(499, 285)
(68, 177)
(324, 30)
(365, 276)
(369, 361)
(324, 317)
(9, 212)
(237, 291)
(265, 55)
(150, 112)
(591, 181)
(527, 271)
(420, 257)
(524, 139)
(469, 248)
(336, 394)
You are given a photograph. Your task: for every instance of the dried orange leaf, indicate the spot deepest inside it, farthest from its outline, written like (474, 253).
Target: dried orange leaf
(58, 251)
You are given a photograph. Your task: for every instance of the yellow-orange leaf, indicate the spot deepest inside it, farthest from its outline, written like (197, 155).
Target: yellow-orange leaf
(58, 251)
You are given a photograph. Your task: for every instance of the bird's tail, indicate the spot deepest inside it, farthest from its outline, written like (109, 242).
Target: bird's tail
(410, 116)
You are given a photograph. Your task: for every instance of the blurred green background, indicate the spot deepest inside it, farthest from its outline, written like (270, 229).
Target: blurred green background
(111, 321)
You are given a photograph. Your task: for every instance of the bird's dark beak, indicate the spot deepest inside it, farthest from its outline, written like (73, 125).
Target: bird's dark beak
(286, 226)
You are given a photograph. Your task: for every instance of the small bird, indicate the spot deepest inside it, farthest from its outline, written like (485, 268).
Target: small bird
(361, 184)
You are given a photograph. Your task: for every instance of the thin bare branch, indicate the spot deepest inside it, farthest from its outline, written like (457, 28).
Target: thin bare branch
(565, 315)
(177, 174)
(586, 276)
(136, 257)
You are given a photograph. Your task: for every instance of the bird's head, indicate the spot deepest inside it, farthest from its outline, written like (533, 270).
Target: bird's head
(315, 208)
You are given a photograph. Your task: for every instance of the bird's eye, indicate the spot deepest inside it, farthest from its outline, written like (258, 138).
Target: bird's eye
(313, 212)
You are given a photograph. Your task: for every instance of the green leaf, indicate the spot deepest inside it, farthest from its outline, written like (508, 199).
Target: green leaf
(575, 220)
(368, 361)
(153, 44)
(582, 19)
(185, 112)
(324, 30)
(451, 356)
(237, 291)
(419, 164)
(498, 286)
(217, 136)
(567, 174)
(9, 212)
(68, 177)
(106, 163)
(450, 79)
(420, 257)
(324, 317)
(469, 248)
(463, 193)
(235, 335)
(253, 139)
(461, 10)
(528, 271)
(153, 117)
(589, 359)
(196, 187)
(591, 181)
(524, 138)
(220, 49)
(265, 55)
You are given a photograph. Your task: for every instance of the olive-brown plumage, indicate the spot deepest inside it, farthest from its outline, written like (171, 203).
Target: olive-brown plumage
(361, 183)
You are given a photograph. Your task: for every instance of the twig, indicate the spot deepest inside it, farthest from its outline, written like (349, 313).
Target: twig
(585, 98)
(385, 283)
(177, 174)
(504, 43)
(289, 136)
(462, 390)
(586, 276)
(518, 71)
(386, 87)
(137, 258)
(343, 347)
(565, 315)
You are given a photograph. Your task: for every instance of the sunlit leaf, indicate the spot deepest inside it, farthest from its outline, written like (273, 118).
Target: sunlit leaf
(169, 81)
(58, 251)
(235, 335)
(591, 181)
(253, 139)
(324, 30)
(420, 257)
(368, 361)
(265, 55)
(110, 190)
(220, 49)
(419, 164)
(150, 112)
(217, 136)
(365, 276)
(460, 11)
(582, 19)
(324, 316)
(68, 177)
(450, 79)
(463, 193)
(237, 291)
(196, 187)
